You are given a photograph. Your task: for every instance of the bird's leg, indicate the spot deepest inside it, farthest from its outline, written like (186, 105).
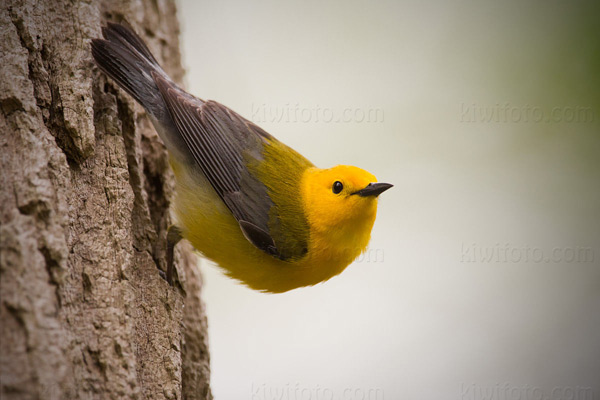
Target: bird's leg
(173, 237)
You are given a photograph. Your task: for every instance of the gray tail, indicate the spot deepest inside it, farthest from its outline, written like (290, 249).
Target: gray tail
(124, 56)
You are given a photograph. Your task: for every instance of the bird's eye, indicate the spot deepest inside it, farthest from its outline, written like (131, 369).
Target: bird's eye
(337, 187)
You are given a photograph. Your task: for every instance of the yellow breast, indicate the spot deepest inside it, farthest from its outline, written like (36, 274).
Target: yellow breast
(207, 223)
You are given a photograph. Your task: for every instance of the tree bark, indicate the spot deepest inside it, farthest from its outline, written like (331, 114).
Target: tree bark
(84, 193)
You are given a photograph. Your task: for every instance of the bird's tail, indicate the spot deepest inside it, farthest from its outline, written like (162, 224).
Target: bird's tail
(124, 57)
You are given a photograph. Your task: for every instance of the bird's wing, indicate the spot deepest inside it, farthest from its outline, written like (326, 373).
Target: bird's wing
(230, 151)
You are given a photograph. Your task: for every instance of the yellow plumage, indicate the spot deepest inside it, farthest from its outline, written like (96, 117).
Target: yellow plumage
(262, 212)
(339, 233)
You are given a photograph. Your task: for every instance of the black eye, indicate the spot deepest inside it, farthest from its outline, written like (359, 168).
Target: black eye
(337, 187)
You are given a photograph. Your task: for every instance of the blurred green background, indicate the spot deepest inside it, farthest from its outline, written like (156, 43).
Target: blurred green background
(484, 274)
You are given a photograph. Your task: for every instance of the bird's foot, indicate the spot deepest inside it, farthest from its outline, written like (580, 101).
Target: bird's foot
(173, 237)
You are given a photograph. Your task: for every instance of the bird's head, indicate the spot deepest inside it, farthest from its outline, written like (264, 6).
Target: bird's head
(341, 202)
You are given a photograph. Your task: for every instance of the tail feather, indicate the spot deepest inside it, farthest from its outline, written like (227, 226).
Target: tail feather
(124, 57)
(119, 33)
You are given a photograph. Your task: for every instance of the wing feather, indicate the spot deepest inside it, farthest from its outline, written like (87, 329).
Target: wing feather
(223, 144)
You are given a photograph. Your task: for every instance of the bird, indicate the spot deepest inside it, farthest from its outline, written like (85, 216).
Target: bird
(258, 209)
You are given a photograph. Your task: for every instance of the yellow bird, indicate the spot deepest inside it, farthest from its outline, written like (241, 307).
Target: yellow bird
(261, 211)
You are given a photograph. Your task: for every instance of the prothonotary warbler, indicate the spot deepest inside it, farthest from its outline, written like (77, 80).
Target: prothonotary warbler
(257, 208)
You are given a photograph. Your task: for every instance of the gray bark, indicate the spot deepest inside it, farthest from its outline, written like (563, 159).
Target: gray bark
(84, 193)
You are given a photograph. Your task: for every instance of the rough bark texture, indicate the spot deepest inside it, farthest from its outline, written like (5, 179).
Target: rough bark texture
(84, 194)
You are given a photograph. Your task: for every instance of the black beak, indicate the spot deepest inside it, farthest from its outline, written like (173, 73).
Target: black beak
(373, 189)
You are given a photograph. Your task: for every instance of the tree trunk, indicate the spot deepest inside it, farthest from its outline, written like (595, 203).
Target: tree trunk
(84, 193)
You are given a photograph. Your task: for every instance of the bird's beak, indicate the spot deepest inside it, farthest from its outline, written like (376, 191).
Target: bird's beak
(373, 189)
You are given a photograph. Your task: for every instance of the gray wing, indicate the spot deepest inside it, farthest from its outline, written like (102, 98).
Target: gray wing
(218, 140)
(221, 142)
